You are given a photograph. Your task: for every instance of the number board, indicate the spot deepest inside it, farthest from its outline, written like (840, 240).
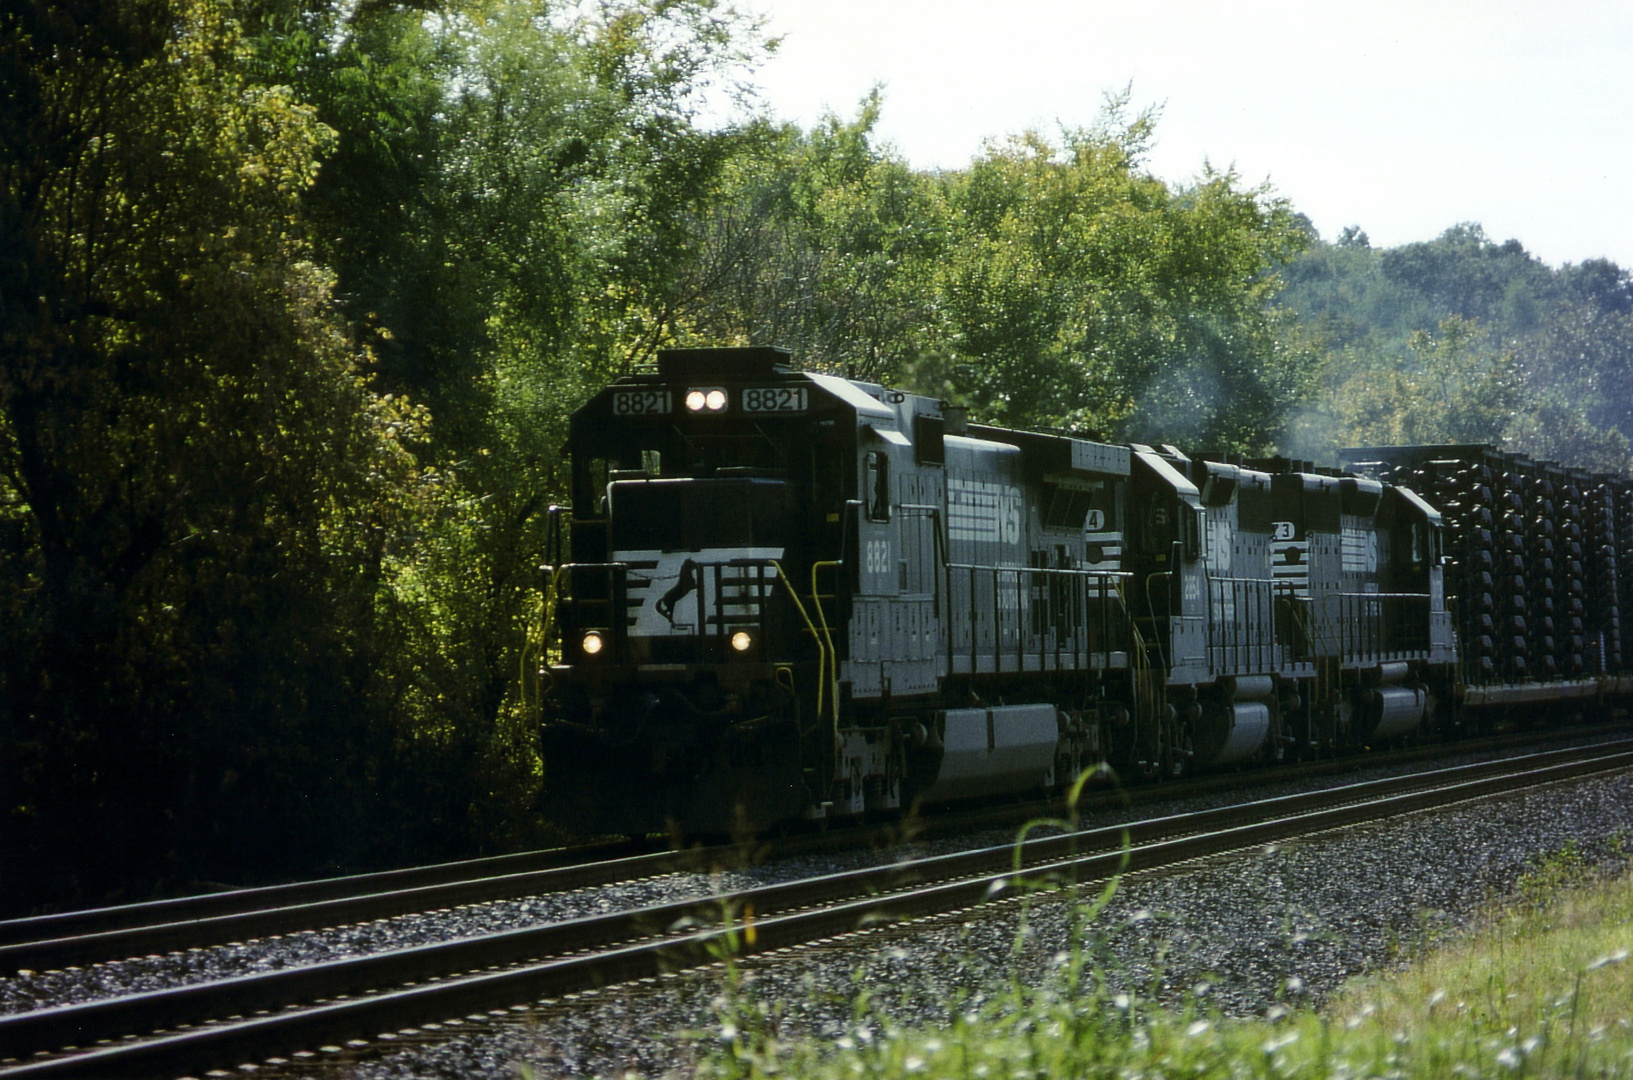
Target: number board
(764, 399)
(640, 402)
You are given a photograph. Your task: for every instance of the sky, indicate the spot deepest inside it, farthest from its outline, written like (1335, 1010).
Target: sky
(1403, 118)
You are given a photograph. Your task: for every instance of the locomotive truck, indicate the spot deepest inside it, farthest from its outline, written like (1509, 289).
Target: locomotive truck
(783, 595)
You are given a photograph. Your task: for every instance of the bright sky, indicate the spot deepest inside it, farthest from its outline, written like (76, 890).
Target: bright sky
(1401, 116)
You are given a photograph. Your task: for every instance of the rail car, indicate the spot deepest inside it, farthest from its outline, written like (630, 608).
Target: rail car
(782, 595)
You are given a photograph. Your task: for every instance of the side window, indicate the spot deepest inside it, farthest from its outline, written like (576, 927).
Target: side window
(877, 494)
(1193, 530)
(595, 488)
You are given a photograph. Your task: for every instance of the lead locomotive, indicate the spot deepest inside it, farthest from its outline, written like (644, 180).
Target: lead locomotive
(789, 595)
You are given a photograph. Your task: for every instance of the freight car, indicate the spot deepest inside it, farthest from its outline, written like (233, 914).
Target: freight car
(784, 595)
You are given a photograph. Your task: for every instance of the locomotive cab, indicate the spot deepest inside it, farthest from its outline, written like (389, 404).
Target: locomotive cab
(696, 488)
(687, 488)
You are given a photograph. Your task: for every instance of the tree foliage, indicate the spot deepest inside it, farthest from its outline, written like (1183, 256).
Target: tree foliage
(819, 242)
(200, 489)
(1465, 339)
(1044, 286)
(1081, 292)
(1444, 388)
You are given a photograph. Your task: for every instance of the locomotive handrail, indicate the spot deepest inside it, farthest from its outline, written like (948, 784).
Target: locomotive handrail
(822, 654)
(554, 534)
(1311, 639)
(563, 574)
(1260, 596)
(1380, 595)
(1371, 641)
(1072, 571)
(1151, 609)
(715, 617)
(1086, 594)
(822, 618)
(540, 641)
(938, 557)
(1149, 692)
(827, 655)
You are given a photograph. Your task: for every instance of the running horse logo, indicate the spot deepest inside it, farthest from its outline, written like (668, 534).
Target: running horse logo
(688, 582)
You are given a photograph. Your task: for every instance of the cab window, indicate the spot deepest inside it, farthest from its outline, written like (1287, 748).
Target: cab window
(877, 486)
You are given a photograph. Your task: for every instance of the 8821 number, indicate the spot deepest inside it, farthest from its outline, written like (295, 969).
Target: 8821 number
(763, 399)
(640, 402)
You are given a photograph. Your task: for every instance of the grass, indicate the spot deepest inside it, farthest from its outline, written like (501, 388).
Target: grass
(1542, 987)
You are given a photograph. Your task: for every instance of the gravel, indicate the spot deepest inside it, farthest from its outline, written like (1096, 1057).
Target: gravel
(1288, 923)
(1284, 924)
(142, 974)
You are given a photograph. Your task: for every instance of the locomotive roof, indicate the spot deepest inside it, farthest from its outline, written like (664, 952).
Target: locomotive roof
(877, 408)
(853, 395)
(1418, 503)
(726, 363)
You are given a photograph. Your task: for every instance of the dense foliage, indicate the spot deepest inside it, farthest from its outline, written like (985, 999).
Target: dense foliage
(1461, 339)
(296, 295)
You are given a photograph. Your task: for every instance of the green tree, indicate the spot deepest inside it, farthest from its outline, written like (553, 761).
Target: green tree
(1451, 387)
(509, 207)
(820, 242)
(1079, 291)
(1565, 339)
(199, 491)
(1444, 388)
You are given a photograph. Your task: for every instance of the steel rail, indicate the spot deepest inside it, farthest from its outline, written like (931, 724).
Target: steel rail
(51, 942)
(256, 923)
(778, 914)
(237, 901)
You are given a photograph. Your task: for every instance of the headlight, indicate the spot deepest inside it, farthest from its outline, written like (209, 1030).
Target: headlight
(593, 643)
(706, 399)
(742, 641)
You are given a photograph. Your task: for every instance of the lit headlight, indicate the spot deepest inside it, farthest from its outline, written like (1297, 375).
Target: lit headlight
(742, 641)
(706, 400)
(593, 643)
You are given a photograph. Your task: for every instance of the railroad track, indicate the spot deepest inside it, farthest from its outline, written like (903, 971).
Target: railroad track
(89, 921)
(255, 1018)
(80, 937)
(52, 942)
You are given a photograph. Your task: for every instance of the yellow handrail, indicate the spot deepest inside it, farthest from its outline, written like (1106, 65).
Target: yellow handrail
(822, 654)
(1144, 683)
(537, 640)
(816, 598)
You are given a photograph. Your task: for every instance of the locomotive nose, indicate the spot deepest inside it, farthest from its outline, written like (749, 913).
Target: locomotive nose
(629, 716)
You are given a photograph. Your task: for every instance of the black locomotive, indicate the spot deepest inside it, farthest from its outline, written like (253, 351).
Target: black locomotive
(789, 595)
